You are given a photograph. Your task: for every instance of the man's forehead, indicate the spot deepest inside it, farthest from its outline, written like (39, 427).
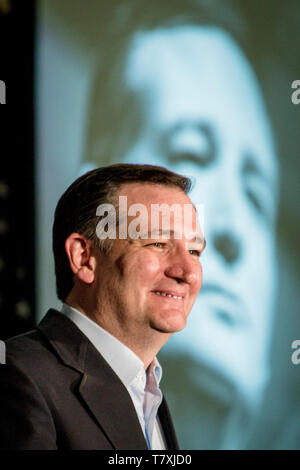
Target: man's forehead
(156, 199)
(139, 208)
(162, 211)
(152, 193)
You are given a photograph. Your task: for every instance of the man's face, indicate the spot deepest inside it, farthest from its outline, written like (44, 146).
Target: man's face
(204, 117)
(149, 285)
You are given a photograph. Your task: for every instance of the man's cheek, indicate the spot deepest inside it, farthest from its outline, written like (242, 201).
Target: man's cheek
(145, 266)
(152, 265)
(198, 281)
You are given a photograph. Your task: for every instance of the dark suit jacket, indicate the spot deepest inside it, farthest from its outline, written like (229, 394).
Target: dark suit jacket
(58, 392)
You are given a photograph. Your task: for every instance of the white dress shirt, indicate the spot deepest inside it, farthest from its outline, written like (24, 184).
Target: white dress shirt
(143, 387)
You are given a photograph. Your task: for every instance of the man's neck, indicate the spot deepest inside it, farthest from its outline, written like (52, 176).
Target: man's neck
(145, 343)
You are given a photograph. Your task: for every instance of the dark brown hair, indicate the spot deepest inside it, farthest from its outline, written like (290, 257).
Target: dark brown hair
(76, 209)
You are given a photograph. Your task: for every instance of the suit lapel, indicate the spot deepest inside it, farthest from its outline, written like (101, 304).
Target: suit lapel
(100, 388)
(110, 402)
(167, 425)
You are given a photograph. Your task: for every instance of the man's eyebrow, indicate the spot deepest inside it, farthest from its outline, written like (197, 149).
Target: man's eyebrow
(199, 240)
(161, 233)
(170, 233)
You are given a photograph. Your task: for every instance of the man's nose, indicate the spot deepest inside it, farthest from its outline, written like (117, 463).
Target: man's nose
(228, 245)
(183, 268)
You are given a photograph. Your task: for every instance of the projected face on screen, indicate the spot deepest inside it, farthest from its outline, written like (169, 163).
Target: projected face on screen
(202, 115)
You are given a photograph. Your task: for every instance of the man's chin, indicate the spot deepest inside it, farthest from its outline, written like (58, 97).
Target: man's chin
(170, 326)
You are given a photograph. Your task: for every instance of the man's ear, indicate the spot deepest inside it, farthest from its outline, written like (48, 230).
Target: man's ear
(82, 261)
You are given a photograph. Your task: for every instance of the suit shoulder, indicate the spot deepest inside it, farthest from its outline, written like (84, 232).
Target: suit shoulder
(28, 348)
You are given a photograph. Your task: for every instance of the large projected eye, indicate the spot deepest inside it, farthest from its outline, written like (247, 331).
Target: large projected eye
(190, 142)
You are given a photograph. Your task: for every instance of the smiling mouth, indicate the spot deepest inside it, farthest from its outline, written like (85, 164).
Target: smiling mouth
(166, 294)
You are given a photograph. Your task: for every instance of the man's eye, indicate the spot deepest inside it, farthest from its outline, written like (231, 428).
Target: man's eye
(157, 244)
(195, 252)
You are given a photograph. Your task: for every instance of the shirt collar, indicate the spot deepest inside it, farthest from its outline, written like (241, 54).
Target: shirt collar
(116, 354)
(156, 370)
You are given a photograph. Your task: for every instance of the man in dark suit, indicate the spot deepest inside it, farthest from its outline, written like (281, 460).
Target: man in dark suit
(87, 377)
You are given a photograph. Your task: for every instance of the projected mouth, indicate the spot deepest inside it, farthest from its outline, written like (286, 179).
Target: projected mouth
(226, 305)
